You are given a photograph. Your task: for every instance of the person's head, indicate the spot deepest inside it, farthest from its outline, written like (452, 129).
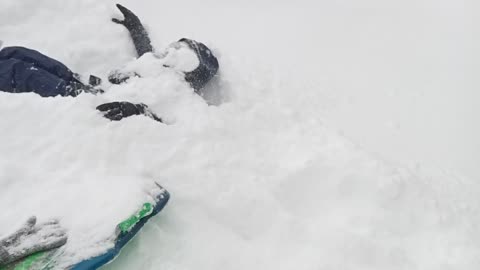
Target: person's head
(192, 58)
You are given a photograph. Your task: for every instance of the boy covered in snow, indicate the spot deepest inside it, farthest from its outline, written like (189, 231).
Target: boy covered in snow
(26, 70)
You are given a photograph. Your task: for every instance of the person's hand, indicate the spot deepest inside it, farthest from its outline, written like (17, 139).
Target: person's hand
(32, 238)
(116, 111)
(130, 19)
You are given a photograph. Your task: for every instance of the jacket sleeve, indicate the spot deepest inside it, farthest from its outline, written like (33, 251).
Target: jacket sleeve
(139, 35)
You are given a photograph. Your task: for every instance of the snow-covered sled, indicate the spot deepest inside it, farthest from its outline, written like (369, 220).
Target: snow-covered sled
(125, 231)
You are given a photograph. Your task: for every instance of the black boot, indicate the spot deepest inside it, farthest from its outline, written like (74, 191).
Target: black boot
(76, 87)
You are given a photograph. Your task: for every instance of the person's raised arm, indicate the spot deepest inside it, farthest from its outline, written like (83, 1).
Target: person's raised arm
(137, 31)
(31, 238)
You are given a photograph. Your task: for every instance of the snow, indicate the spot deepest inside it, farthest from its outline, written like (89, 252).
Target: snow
(180, 57)
(344, 136)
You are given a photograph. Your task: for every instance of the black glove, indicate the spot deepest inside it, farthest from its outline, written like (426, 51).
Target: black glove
(116, 111)
(137, 31)
(130, 18)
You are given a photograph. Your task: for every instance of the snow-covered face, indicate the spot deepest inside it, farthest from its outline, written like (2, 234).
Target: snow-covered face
(179, 56)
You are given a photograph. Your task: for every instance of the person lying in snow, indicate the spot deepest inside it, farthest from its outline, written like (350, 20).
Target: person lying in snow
(27, 70)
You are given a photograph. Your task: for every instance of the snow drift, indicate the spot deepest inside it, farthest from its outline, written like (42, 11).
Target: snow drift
(260, 181)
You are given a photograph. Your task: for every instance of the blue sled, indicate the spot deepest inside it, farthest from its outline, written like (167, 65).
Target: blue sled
(123, 238)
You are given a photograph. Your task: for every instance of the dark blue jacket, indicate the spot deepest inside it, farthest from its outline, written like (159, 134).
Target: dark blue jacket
(26, 70)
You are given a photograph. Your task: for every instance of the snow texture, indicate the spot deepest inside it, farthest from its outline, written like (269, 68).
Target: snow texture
(265, 179)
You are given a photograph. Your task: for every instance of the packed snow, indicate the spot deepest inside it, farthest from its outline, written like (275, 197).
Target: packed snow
(297, 156)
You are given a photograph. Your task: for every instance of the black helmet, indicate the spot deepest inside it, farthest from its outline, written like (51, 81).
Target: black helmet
(207, 68)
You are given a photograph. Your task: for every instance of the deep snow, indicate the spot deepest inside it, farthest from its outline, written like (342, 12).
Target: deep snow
(264, 180)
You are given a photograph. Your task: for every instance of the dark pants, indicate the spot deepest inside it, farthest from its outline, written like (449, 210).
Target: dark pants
(26, 70)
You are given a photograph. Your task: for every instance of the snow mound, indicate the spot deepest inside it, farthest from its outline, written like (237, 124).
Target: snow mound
(258, 182)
